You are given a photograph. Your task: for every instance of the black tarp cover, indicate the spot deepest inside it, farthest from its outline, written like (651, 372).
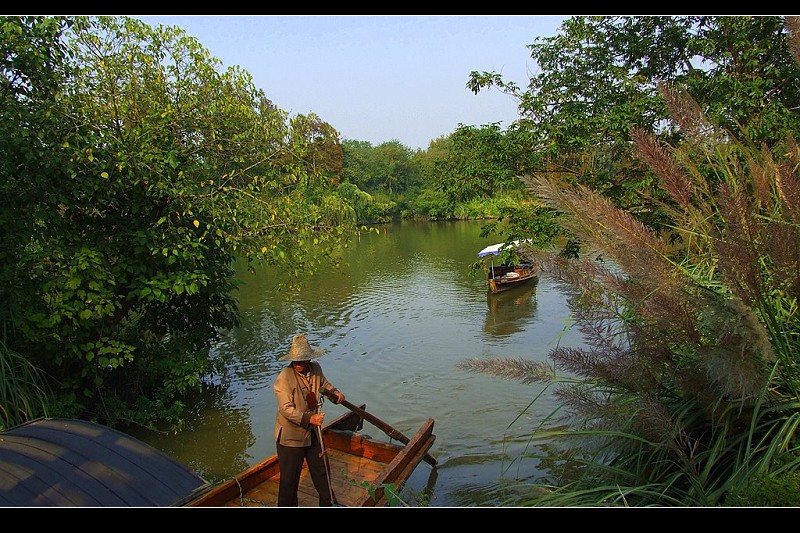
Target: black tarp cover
(75, 463)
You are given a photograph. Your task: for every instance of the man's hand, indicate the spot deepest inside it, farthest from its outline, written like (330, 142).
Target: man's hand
(336, 396)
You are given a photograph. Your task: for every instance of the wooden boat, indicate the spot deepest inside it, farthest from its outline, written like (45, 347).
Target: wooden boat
(504, 276)
(364, 472)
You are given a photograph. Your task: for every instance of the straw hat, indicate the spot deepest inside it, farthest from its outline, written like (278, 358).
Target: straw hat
(301, 350)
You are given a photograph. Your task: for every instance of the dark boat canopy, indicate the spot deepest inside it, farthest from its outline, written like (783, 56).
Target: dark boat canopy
(75, 463)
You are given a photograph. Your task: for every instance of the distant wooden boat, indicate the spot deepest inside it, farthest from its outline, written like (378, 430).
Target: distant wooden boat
(362, 469)
(503, 277)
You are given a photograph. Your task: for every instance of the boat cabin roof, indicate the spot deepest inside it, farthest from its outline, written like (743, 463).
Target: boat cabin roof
(76, 463)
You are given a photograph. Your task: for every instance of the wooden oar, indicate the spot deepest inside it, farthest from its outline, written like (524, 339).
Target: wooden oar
(383, 426)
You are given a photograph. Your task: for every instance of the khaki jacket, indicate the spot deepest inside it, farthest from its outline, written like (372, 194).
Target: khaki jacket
(293, 413)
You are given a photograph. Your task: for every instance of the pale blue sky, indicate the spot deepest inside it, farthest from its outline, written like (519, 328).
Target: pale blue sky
(377, 78)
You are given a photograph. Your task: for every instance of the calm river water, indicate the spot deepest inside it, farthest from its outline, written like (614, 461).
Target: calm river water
(395, 323)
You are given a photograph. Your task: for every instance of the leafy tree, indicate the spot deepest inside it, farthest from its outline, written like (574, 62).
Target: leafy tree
(134, 173)
(393, 166)
(480, 163)
(359, 200)
(389, 172)
(389, 166)
(599, 78)
(322, 144)
(358, 164)
(425, 200)
(484, 166)
(426, 161)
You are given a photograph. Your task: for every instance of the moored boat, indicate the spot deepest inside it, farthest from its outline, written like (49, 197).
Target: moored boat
(505, 276)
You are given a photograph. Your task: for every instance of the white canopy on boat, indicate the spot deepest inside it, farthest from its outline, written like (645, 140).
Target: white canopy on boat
(494, 249)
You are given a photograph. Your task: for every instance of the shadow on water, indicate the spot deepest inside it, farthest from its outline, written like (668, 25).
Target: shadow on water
(215, 427)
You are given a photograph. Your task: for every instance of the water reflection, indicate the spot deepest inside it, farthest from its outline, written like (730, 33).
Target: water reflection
(215, 428)
(508, 312)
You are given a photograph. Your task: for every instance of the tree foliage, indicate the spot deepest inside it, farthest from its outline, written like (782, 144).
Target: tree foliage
(321, 142)
(357, 164)
(394, 167)
(480, 163)
(387, 167)
(598, 79)
(134, 172)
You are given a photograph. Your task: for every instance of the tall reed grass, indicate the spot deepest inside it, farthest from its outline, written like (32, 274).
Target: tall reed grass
(23, 389)
(687, 391)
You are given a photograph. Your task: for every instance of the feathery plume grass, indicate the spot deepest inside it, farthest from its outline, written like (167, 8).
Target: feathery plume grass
(519, 369)
(685, 371)
(688, 385)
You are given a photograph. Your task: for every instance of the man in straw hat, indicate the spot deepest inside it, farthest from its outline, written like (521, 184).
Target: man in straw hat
(299, 421)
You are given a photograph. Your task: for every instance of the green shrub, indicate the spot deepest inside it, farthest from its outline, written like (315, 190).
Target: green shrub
(769, 491)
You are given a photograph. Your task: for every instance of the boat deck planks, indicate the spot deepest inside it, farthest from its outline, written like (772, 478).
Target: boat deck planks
(342, 469)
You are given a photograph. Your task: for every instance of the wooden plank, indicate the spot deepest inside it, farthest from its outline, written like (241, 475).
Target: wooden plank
(344, 468)
(380, 424)
(408, 458)
(361, 446)
(236, 487)
(265, 494)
